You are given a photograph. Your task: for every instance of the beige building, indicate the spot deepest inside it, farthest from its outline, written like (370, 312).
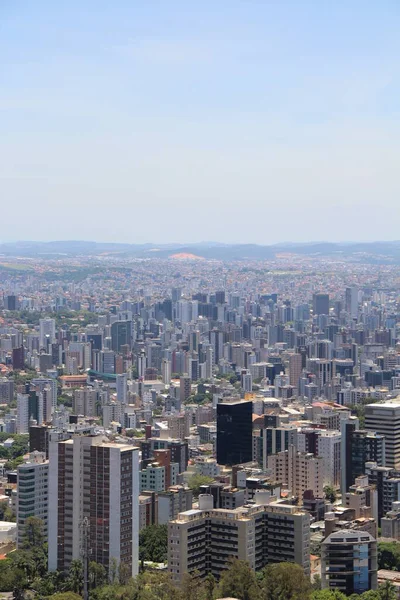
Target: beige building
(205, 539)
(298, 471)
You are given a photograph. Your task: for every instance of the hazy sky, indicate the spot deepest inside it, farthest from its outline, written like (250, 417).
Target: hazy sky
(236, 121)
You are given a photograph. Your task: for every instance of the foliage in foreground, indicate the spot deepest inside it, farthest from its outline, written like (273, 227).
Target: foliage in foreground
(25, 574)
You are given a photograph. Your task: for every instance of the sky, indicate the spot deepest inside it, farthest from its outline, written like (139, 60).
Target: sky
(249, 121)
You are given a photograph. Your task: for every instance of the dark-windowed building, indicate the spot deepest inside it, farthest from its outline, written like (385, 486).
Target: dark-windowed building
(321, 304)
(234, 432)
(121, 335)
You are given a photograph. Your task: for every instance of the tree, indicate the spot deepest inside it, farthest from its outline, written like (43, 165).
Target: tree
(196, 481)
(75, 577)
(97, 575)
(33, 536)
(285, 581)
(387, 591)
(153, 543)
(238, 581)
(65, 596)
(389, 556)
(330, 493)
(328, 595)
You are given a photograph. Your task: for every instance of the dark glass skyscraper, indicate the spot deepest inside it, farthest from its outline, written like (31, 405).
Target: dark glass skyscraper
(234, 432)
(121, 335)
(321, 304)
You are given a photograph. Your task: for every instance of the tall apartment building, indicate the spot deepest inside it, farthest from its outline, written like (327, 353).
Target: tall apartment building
(32, 492)
(99, 481)
(329, 447)
(384, 418)
(295, 367)
(84, 402)
(298, 471)
(349, 562)
(204, 540)
(6, 390)
(185, 387)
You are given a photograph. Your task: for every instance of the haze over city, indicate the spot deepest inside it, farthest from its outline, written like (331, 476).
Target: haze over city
(245, 122)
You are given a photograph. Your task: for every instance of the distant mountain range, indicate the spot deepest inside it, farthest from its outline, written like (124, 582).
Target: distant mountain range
(375, 252)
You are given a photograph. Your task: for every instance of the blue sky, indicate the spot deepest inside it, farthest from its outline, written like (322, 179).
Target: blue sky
(234, 121)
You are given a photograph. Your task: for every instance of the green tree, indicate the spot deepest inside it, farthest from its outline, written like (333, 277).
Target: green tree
(75, 577)
(65, 596)
(196, 481)
(33, 535)
(238, 581)
(328, 595)
(389, 556)
(387, 591)
(97, 575)
(285, 581)
(153, 543)
(330, 493)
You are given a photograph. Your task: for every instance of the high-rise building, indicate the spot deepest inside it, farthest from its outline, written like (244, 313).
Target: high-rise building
(11, 302)
(185, 387)
(91, 479)
(29, 408)
(18, 358)
(351, 301)
(298, 471)
(295, 367)
(121, 334)
(84, 402)
(349, 562)
(47, 332)
(329, 446)
(6, 390)
(204, 540)
(360, 447)
(122, 388)
(234, 432)
(321, 304)
(32, 492)
(166, 371)
(384, 418)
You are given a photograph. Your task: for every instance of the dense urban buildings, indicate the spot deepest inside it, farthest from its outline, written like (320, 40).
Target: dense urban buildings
(252, 407)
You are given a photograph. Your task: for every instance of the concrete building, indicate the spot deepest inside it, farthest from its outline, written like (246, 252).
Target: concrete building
(32, 492)
(175, 500)
(390, 524)
(384, 418)
(97, 480)
(349, 562)
(298, 471)
(148, 509)
(85, 402)
(329, 447)
(185, 387)
(205, 539)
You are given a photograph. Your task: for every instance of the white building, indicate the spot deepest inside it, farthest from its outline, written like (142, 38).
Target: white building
(47, 331)
(32, 492)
